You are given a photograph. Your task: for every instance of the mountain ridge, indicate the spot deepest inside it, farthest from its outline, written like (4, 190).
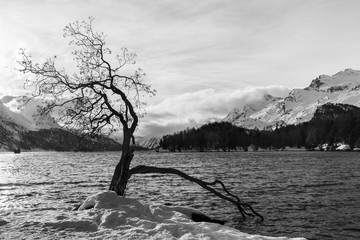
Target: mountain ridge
(334, 126)
(21, 128)
(300, 105)
(18, 114)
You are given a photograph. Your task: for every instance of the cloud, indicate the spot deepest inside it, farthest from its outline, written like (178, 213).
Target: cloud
(196, 108)
(154, 129)
(197, 54)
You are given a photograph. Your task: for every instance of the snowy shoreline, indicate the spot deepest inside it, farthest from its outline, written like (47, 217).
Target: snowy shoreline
(107, 216)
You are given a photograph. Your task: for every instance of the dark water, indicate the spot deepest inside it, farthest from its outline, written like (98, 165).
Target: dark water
(309, 194)
(301, 194)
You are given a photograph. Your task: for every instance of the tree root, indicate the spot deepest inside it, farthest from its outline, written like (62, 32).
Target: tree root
(244, 208)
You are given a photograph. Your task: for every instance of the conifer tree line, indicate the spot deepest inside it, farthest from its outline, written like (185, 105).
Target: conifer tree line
(331, 124)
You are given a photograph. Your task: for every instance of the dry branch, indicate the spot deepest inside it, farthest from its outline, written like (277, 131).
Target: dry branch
(99, 98)
(242, 207)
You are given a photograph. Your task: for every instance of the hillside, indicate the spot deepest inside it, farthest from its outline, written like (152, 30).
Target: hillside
(331, 124)
(22, 111)
(148, 143)
(300, 105)
(20, 128)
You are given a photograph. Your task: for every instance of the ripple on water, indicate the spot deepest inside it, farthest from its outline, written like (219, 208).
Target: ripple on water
(309, 194)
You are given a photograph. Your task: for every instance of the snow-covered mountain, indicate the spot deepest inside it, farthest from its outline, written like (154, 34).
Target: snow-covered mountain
(22, 111)
(21, 128)
(242, 116)
(149, 143)
(9, 130)
(18, 116)
(301, 104)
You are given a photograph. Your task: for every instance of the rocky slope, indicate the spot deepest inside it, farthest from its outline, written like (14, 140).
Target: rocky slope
(20, 128)
(148, 143)
(300, 105)
(22, 111)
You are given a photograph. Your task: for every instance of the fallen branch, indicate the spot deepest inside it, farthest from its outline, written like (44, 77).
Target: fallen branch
(242, 207)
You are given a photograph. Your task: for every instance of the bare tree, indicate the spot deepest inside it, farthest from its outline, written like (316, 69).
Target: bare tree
(100, 99)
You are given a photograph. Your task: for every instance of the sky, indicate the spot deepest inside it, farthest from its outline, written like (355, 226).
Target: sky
(204, 57)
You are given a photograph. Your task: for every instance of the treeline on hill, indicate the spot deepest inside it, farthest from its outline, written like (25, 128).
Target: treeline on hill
(331, 124)
(61, 140)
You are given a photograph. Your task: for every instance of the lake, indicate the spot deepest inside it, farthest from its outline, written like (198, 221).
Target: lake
(315, 195)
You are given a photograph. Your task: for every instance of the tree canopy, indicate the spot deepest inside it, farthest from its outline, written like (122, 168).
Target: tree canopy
(100, 98)
(331, 124)
(97, 98)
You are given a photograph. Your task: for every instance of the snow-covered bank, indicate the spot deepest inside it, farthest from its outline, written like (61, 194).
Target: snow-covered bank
(107, 216)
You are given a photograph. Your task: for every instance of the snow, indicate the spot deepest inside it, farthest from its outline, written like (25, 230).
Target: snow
(343, 78)
(7, 115)
(244, 116)
(343, 147)
(300, 105)
(22, 112)
(107, 216)
(134, 220)
(147, 142)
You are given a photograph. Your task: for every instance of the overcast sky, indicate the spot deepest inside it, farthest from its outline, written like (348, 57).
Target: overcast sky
(204, 57)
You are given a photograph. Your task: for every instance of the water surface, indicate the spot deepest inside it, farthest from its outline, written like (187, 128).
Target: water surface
(301, 194)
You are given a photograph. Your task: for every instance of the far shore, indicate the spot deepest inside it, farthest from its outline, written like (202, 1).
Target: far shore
(287, 149)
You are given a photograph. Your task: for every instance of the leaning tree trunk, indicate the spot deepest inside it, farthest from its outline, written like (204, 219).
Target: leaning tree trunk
(121, 173)
(244, 208)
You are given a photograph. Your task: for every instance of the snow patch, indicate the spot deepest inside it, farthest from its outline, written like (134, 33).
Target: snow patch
(343, 147)
(23, 112)
(147, 142)
(106, 215)
(300, 105)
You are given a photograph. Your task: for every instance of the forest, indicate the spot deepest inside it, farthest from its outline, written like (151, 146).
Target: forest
(331, 124)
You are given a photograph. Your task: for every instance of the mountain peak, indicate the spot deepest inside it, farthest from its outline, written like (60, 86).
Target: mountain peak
(237, 115)
(301, 104)
(6, 99)
(268, 97)
(23, 112)
(348, 79)
(347, 72)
